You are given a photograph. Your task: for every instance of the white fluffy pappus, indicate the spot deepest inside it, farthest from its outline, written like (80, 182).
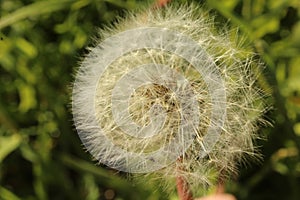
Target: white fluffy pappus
(164, 85)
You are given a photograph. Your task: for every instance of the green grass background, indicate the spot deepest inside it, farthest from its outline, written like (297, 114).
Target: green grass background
(41, 156)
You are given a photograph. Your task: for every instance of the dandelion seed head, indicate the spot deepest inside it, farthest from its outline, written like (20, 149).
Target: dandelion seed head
(163, 85)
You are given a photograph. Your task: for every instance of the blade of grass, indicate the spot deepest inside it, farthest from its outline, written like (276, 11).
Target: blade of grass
(34, 9)
(5, 194)
(109, 178)
(8, 144)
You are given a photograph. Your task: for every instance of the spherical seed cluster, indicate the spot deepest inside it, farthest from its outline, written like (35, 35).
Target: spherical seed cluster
(164, 91)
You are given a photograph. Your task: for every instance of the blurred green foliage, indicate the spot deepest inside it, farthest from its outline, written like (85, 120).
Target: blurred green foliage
(41, 156)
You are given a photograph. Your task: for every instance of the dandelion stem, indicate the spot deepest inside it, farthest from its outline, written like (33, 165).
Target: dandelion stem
(183, 190)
